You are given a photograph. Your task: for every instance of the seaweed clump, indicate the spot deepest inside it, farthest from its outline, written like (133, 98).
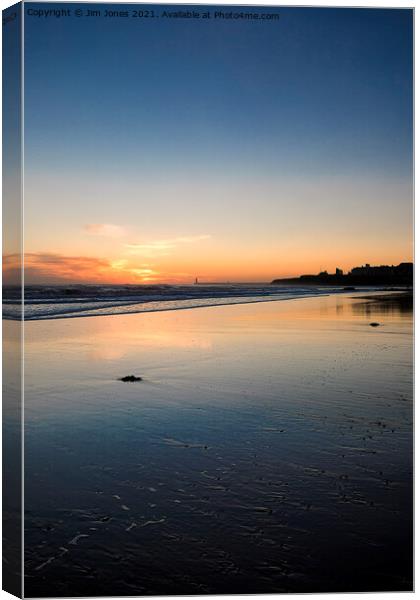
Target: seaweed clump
(130, 378)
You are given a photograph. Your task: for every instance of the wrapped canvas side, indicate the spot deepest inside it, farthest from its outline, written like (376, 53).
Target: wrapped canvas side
(12, 290)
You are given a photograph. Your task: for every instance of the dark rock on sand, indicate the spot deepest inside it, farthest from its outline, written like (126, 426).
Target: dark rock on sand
(130, 378)
(374, 324)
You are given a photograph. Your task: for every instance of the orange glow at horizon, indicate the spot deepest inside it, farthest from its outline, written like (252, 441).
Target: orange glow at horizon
(239, 230)
(52, 268)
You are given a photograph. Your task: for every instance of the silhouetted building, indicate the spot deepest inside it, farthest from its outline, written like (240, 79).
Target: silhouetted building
(400, 275)
(403, 271)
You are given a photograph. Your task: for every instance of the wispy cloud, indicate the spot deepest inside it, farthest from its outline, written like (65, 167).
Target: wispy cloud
(165, 246)
(105, 229)
(55, 268)
(143, 271)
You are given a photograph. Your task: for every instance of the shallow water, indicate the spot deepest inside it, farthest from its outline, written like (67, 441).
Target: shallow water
(267, 449)
(75, 301)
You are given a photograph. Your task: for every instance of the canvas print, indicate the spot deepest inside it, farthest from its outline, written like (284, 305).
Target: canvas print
(207, 299)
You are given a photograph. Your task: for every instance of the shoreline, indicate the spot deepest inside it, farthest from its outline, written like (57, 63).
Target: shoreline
(279, 423)
(373, 294)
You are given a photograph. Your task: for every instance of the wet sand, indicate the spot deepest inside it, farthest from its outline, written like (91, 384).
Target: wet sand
(268, 448)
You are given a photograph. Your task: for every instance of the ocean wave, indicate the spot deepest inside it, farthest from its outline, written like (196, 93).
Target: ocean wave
(59, 302)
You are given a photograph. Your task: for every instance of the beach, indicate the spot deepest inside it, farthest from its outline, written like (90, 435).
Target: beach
(267, 448)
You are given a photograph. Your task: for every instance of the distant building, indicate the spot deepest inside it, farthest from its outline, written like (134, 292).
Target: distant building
(401, 274)
(402, 271)
(365, 271)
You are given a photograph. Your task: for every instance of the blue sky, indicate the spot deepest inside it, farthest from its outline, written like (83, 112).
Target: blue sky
(170, 127)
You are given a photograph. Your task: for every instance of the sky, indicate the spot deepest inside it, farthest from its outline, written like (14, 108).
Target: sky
(164, 149)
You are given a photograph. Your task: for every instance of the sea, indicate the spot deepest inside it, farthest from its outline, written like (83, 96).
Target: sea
(59, 302)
